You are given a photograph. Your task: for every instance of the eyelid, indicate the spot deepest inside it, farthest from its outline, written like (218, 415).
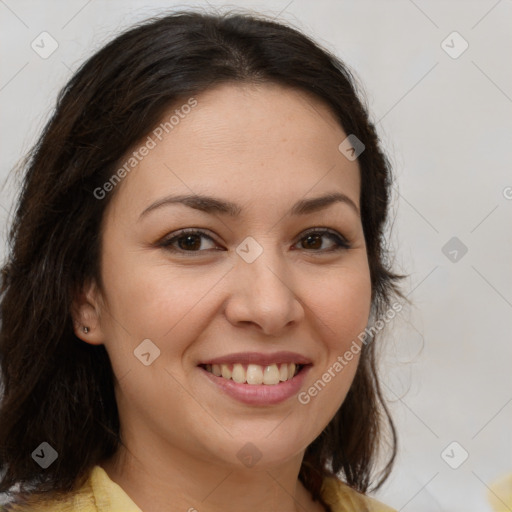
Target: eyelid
(342, 245)
(324, 231)
(168, 240)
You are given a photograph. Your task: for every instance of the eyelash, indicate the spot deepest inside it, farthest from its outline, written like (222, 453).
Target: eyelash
(340, 241)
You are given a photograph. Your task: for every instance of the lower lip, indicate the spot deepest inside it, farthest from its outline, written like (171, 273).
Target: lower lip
(262, 394)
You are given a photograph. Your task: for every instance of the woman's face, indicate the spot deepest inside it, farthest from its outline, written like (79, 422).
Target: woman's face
(253, 291)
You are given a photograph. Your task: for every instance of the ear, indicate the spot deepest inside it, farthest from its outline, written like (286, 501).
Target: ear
(85, 311)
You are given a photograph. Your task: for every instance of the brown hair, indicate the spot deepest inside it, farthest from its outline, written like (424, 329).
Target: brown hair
(59, 389)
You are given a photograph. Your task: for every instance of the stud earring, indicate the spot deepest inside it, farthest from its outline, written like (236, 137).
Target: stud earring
(86, 330)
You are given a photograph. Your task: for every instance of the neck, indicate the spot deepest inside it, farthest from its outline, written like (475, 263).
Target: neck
(194, 485)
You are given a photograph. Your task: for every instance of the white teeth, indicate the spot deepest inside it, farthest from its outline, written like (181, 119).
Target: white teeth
(271, 375)
(283, 372)
(238, 373)
(255, 374)
(226, 372)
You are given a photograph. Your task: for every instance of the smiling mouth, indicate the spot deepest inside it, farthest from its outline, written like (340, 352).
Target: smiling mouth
(255, 374)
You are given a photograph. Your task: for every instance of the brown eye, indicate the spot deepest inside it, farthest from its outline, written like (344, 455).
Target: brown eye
(189, 242)
(314, 239)
(186, 241)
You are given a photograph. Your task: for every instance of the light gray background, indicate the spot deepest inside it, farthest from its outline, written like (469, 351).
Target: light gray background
(447, 125)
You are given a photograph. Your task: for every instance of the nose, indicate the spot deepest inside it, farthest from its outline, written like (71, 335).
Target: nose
(262, 293)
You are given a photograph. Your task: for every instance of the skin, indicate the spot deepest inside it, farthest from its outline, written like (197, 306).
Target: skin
(264, 147)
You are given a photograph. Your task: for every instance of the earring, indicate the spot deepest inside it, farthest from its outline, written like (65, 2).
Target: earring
(86, 330)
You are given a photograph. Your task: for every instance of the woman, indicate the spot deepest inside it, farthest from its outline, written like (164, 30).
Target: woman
(196, 281)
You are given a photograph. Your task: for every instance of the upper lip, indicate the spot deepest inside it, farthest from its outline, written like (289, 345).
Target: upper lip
(259, 358)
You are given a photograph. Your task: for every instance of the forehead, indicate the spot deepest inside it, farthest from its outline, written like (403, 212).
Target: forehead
(252, 144)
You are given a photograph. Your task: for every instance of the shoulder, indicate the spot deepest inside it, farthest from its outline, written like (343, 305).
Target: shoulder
(98, 494)
(499, 493)
(81, 500)
(343, 498)
(75, 503)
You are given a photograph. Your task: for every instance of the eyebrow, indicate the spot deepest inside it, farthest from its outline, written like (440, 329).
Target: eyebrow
(213, 205)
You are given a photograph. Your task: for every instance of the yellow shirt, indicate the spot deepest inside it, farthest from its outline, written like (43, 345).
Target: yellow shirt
(499, 494)
(101, 494)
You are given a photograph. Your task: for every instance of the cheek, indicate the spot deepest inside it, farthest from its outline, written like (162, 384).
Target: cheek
(169, 305)
(343, 303)
(342, 307)
(149, 299)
